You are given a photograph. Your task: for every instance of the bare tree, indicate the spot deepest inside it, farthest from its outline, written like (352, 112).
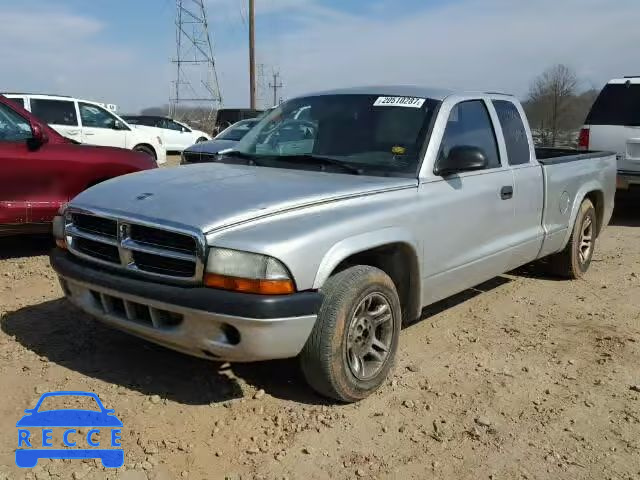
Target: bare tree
(550, 98)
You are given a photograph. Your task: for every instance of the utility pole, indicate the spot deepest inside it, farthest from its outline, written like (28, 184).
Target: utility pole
(275, 85)
(252, 55)
(196, 80)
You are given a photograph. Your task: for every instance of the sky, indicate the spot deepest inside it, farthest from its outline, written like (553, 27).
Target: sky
(119, 51)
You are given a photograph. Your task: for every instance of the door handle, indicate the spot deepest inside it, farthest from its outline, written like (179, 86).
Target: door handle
(89, 133)
(506, 192)
(73, 132)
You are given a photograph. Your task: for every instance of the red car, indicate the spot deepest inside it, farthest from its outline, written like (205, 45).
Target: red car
(40, 170)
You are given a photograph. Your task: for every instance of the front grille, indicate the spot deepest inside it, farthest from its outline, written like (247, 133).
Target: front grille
(95, 225)
(134, 311)
(139, 248)
(164, 265)
(163, 239)
(196, 157)
(103, 251)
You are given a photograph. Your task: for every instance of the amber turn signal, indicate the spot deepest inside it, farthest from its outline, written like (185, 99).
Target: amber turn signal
(249, 285)
(60, 242)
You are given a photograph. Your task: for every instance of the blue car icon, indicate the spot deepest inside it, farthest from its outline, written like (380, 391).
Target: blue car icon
(70, 419)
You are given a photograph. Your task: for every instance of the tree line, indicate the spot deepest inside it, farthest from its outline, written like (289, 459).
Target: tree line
(556, 107)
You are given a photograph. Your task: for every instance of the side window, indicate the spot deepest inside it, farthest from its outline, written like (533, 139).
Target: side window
(470, 125)
(515, 134)
(13, 127)
(55, 112)
(95, 116)
(171, 125)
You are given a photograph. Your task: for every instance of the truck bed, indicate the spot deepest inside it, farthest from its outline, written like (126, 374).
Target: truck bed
(554, 155)
(568, 176)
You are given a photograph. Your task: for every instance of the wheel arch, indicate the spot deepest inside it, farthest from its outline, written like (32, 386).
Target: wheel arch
(148, 146)
(595, 193)
(392, 250)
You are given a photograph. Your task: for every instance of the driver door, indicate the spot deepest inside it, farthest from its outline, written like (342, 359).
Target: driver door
(32, 180)
(99, 127)
(176, 136)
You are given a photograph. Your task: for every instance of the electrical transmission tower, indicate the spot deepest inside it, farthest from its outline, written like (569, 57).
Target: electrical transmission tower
(196, 80)
(275, 86)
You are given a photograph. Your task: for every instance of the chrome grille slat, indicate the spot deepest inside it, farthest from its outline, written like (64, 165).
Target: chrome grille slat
(139, 247)
(76, 232)
(164, 253)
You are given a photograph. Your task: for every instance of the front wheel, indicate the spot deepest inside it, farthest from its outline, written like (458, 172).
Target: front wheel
(574, 261)
(354, 341)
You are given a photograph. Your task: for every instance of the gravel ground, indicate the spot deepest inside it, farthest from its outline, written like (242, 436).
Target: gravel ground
(524, 377)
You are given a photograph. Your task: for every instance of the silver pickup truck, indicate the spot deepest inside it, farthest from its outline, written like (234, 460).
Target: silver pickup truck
(336, 219)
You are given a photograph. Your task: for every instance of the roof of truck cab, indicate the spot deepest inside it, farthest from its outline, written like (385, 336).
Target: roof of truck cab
(397, 90)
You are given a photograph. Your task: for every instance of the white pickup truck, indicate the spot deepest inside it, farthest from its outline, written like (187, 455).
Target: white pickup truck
(320, 236)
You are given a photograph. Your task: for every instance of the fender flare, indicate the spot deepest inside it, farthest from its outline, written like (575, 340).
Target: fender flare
(360, 243)
(581, 194)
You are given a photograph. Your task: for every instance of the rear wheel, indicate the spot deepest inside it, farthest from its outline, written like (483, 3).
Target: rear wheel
(144, 149)
(574, 261)
(354, 341)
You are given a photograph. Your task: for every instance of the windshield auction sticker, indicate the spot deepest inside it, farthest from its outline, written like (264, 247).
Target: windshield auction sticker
(56, 433)
(411, 102)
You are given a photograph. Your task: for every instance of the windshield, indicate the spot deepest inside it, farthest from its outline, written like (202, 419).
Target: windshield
(238, 131)
(378, 134)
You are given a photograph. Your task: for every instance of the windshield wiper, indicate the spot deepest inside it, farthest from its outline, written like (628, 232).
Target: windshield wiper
(321, 160)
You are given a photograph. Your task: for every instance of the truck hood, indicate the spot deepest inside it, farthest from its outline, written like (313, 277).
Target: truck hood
(213, 196)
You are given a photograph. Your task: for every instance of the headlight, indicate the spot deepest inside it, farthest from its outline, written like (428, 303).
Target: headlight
(247, 272)
(59, 224)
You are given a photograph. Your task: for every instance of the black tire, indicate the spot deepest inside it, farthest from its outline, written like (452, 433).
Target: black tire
(201, 139)
(573, 262)
(324, 359)
(144, 149)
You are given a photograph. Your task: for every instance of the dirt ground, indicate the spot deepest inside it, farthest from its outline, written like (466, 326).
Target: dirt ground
(525, 377)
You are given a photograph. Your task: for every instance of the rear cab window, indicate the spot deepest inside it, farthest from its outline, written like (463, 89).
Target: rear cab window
(55, 112)
(514, 132)
(618, 104)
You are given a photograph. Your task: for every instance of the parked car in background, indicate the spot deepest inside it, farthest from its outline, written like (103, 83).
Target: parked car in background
(228, 138)
(40, 170)
(176, 136)
(614, 124)
(225, 117)
(88, 122)
(322, 246)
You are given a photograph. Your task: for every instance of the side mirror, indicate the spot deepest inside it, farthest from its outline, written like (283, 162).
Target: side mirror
(462, 158)
(117, 125)
(38, 136)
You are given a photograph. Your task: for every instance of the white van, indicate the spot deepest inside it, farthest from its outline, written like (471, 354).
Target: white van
(613, 124)
(88, 122)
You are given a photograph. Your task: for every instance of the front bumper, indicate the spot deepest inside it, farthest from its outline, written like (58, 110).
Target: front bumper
(199, 321)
